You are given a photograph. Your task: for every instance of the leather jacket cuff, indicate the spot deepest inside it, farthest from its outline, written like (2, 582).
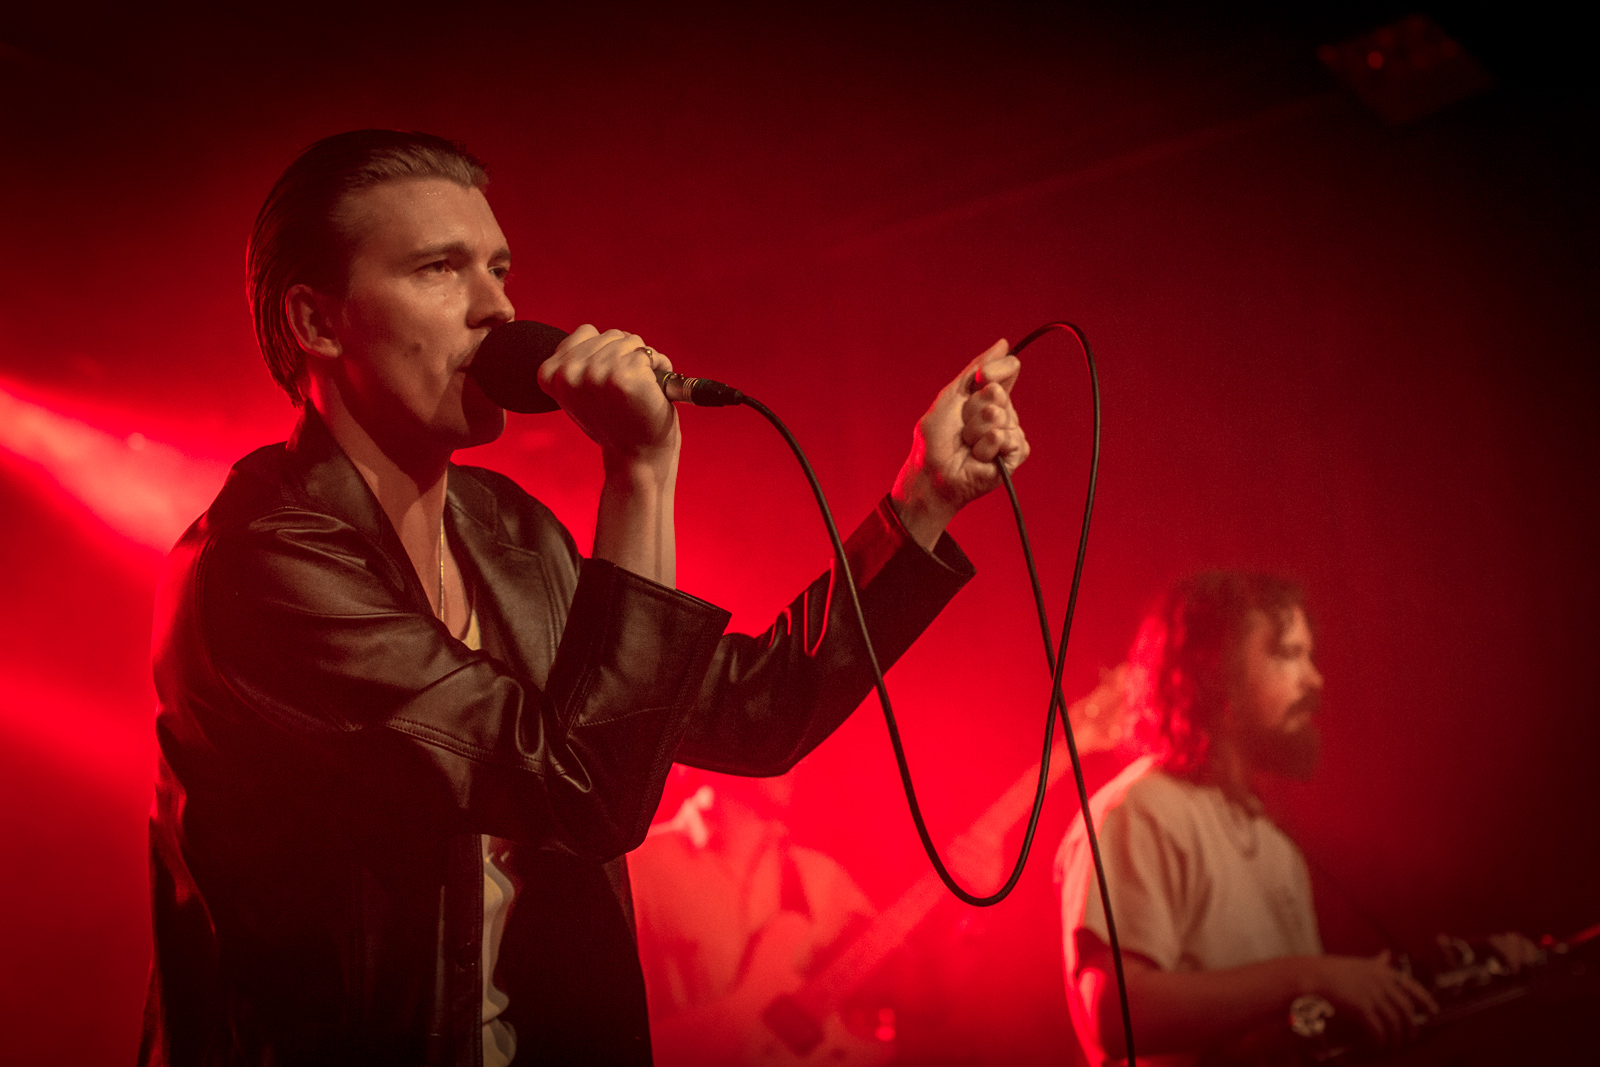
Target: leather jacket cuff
(631, 645)
(882, 541)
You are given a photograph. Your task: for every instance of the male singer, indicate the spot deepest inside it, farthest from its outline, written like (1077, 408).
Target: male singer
(407, 731)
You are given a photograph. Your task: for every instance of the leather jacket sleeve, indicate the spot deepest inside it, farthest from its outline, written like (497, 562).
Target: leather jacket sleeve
(769, 700)
(318, 646)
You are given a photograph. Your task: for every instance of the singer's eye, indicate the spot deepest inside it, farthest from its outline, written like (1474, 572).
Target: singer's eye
(503, 273)
(438, 266)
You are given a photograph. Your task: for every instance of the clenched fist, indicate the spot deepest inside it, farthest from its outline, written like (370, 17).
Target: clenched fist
(954, 446)
(606, 383)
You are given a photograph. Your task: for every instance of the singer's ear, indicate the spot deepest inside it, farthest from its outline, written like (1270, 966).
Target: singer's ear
(311, 316)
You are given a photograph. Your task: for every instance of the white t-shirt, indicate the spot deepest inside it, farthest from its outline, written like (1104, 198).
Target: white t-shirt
(1197, 882)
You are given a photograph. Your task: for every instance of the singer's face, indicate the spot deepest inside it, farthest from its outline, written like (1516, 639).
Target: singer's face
(427, 282)
(1281, 693)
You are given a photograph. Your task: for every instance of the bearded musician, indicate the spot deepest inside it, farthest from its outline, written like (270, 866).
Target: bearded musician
(1212, 900)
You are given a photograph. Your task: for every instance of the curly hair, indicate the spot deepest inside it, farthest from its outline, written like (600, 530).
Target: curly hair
(300, 237)
(1187, 659)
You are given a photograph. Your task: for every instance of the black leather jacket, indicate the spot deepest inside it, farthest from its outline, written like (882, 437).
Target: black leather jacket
(330, 754)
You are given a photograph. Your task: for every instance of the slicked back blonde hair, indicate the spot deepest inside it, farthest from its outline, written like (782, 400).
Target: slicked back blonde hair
(301, 238)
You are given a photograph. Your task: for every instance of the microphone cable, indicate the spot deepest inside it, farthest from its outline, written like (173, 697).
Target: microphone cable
(1054, 657)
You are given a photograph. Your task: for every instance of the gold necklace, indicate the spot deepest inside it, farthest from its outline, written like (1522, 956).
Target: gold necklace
(441, 568)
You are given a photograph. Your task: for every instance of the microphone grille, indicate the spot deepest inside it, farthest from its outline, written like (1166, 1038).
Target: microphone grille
(506, 366)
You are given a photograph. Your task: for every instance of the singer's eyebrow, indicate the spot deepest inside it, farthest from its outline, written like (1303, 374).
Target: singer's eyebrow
(457, 250)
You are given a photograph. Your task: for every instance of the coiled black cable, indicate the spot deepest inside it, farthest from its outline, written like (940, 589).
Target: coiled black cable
(1054, 657)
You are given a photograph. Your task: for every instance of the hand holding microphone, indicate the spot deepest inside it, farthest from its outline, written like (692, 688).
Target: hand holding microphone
(508, 362)
(606, 383)
(600, 379)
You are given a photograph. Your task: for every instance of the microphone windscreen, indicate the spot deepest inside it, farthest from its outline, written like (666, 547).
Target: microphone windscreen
(506, 366)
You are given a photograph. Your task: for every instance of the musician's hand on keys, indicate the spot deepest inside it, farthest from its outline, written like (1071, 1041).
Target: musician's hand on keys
(1515, 950)
(1385, 1001)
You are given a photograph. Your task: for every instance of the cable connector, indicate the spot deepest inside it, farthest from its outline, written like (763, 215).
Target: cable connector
(702, 392)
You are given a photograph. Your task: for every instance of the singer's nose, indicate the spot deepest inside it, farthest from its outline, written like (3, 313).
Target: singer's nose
(490, 305)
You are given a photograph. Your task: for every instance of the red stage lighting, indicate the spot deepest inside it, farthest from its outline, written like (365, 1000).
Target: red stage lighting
(73, 730)
(145, 490)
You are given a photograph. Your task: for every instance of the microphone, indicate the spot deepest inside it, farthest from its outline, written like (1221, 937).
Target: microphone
(506, 368)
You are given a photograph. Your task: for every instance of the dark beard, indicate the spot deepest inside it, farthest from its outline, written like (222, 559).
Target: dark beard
(1288, 754)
